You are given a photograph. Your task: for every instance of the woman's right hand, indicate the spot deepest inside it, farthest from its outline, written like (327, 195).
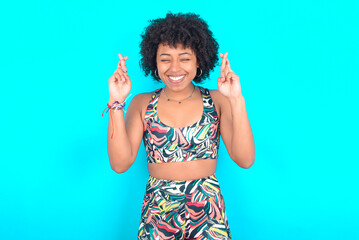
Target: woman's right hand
(119, 83)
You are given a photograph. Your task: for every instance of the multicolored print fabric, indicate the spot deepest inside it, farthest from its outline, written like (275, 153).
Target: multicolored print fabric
(166, 144)
(192, 209)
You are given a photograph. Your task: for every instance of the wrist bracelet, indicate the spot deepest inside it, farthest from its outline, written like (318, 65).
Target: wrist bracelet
(116, 106)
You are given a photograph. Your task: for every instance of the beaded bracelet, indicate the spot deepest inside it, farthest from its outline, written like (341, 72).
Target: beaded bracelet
(116, 106)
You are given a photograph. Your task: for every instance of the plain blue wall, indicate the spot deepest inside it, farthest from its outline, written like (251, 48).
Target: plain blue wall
(298, 64)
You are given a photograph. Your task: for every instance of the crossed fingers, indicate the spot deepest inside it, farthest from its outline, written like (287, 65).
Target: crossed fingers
(121, 67)
(225, 65)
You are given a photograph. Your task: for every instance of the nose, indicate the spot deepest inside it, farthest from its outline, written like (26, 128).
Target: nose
(175, 66)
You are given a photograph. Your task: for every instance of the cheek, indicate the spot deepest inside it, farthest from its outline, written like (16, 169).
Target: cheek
(192, 70)
(161, 68)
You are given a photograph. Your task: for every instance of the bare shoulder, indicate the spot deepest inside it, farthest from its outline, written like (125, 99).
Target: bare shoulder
(139, 103)
(216, 95)
(141, 98)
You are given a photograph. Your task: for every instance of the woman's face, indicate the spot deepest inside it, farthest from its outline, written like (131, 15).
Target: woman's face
(177, 67)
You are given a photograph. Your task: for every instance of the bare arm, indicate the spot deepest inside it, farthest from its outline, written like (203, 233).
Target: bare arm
(236, 131)
(234, 124)
(123, 145)
(127, 136)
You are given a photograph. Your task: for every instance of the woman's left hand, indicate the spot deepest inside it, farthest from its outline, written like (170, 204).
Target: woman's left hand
(228, 82)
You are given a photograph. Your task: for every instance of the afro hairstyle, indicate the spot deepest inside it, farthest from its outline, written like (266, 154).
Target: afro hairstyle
(187, 29)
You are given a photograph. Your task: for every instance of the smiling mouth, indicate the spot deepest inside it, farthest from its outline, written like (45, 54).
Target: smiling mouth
(176, 78)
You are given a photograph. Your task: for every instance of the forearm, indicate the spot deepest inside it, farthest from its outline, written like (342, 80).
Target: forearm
(242, 142)
(119, 147)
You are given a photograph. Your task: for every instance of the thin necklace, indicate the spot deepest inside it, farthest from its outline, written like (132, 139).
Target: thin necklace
(179, 101)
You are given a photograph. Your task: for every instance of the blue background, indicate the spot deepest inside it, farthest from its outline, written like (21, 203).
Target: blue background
(298, 65)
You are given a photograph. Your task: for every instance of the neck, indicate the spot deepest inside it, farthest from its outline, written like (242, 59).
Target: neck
(178, 95)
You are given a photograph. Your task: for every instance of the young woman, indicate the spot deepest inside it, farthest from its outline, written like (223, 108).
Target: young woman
(180, 125)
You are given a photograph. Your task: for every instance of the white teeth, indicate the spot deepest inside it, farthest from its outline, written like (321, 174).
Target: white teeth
(176, 78)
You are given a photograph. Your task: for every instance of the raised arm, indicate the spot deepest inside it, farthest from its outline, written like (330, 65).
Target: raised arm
(234, 124)
(124, 137)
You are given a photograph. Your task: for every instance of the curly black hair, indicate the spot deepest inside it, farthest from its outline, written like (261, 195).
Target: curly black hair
(188, 29)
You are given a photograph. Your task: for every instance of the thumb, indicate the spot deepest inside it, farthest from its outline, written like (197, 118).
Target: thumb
(221, 79)
(127, 79)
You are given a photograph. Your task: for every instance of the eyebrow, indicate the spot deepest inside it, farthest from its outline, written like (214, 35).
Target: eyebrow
(166, 54)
